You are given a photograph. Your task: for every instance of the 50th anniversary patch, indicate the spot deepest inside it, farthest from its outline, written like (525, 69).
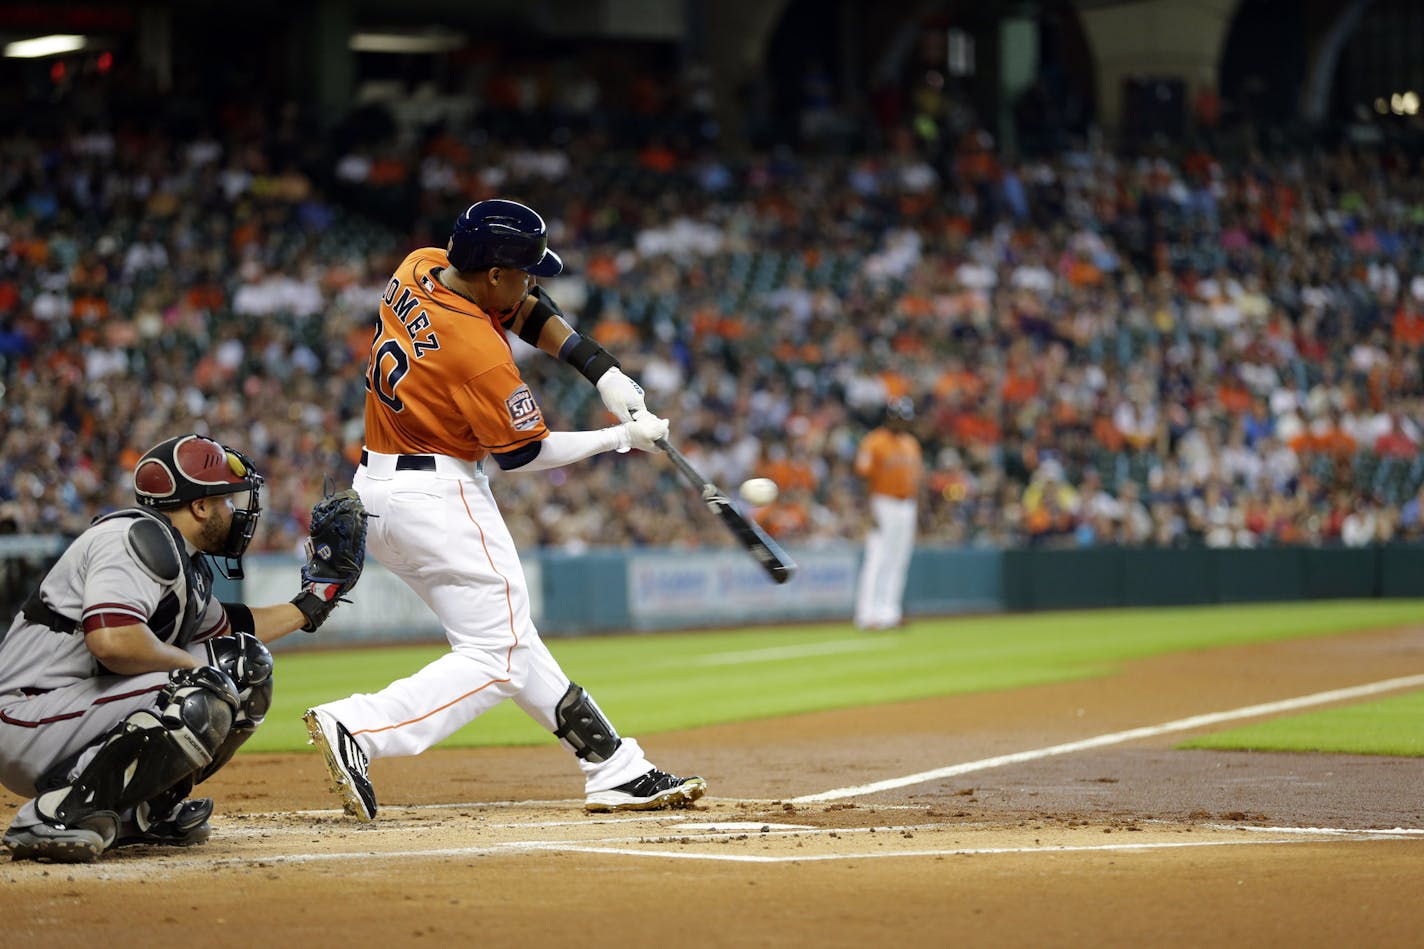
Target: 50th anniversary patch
(523, 410)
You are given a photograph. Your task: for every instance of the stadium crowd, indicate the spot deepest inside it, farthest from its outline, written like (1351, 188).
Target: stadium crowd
(1159, 349)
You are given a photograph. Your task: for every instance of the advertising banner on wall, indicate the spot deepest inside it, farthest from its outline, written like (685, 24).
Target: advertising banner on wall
(717, 588)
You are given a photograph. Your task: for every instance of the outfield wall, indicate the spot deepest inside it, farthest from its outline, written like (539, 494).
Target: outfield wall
(1107, 576)
(647, 590)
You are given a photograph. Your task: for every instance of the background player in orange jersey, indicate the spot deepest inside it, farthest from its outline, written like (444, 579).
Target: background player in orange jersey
(444, 396)
(890, 461)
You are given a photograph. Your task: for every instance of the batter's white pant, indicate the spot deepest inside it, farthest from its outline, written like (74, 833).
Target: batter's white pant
(441, 532)
(881, 588)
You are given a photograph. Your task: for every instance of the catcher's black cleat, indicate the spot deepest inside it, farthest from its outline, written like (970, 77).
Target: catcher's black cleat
(50, 842)
(346, 763)
(653, 791)
(186, 825)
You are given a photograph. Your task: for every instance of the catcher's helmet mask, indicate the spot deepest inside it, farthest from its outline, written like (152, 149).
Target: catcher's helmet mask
(185, 468)
(501, 233)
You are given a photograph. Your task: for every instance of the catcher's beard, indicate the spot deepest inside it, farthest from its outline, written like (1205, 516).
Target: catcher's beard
(213, 537)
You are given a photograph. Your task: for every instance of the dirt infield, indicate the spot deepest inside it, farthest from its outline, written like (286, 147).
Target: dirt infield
(1033, 821)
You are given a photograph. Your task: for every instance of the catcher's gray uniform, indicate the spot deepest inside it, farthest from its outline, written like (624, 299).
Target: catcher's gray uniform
(109, 756)
(55, 698)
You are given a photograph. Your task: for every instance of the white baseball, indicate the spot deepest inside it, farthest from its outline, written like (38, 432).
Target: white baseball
(758, 491)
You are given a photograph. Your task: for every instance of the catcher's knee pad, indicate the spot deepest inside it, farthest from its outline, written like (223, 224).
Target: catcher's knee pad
(152, 749)
(248, 662)
(583, 725)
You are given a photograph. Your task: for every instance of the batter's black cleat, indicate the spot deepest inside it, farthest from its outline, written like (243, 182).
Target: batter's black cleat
(58, 843)
(186, 825)
(653, 791)
(346, 763)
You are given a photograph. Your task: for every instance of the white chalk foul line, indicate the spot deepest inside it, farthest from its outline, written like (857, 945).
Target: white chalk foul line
(1370, 832)
(718, 832)
(619, 847)
(672, 820)
(1117, 738)
(956, 852)
(402, 808)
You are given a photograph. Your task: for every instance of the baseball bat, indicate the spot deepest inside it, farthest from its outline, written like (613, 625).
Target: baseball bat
(748, 532)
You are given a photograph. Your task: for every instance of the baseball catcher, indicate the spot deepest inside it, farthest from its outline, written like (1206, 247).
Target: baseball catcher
(124, 682)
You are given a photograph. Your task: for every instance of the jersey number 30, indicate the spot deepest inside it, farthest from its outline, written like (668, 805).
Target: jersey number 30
(389, 364)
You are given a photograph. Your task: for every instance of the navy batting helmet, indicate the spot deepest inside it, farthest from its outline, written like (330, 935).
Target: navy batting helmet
(500, 233)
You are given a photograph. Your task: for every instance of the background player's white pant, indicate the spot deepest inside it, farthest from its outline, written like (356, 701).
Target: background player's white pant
(880, 591)
(441, 532)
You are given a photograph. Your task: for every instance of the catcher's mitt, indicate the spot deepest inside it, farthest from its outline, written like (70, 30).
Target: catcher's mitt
(336, 553)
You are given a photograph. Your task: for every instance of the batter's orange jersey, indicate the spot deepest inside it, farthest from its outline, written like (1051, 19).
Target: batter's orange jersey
(442, 379)
(891, 462)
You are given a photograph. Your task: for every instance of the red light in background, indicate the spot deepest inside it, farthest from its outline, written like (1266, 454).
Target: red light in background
(106, 61)
(56, 72)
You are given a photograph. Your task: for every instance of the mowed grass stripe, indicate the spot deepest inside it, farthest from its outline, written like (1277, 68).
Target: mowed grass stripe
(660, 682)
(1385, 727)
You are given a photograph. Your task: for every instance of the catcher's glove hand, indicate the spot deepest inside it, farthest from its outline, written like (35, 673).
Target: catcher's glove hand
(336, 552)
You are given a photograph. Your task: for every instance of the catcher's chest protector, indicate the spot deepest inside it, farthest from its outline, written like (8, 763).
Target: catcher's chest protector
(187, 581)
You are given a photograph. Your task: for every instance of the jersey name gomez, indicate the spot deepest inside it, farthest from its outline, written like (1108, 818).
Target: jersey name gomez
(442, 378)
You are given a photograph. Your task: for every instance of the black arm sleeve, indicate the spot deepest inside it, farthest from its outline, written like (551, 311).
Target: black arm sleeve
(544, 310)
(587, 357)
(240, 618)
(518, 458)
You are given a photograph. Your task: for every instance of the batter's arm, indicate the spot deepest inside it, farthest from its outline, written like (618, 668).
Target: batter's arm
(564, 448)
(540, 322)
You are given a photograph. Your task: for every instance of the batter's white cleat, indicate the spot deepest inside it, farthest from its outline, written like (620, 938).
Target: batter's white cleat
(345, 762)
(653, 791)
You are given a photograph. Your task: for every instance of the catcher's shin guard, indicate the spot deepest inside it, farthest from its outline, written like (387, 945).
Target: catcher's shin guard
(149, 751)
(583, 726)
(236, 736)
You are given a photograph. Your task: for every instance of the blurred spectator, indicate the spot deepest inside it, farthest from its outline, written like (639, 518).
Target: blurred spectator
(1197, 348)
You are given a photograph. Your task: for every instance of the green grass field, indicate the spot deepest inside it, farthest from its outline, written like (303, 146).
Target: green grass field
(1385, 727)
(652, 683)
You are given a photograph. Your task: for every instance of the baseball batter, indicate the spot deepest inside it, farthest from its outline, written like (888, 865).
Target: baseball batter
(445, 398)
(123, 683)
(890, 461)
